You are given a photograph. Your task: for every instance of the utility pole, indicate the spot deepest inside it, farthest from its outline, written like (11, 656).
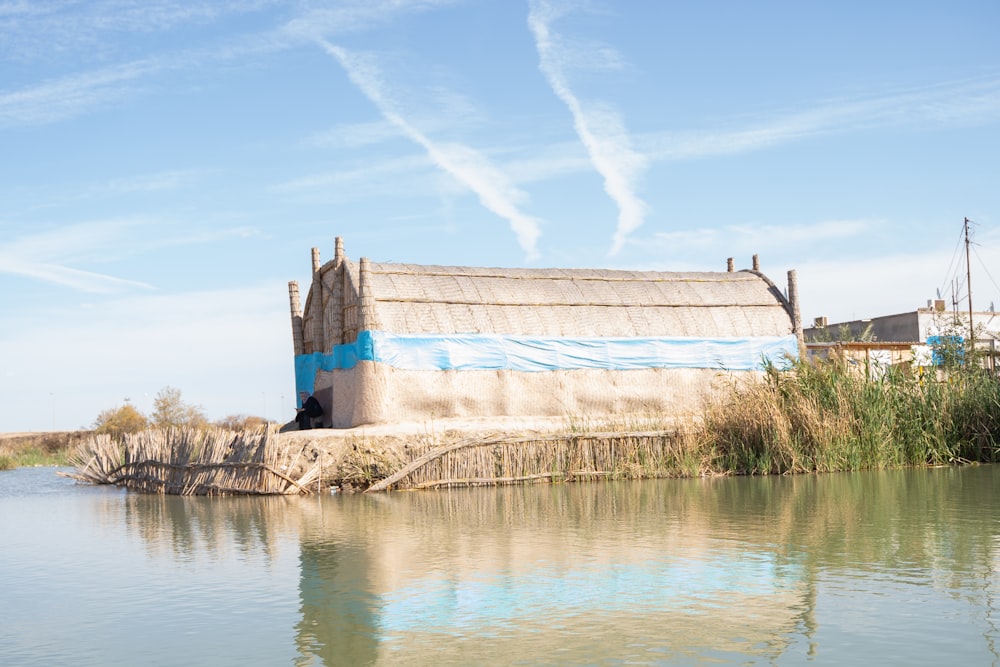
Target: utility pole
(968, 280)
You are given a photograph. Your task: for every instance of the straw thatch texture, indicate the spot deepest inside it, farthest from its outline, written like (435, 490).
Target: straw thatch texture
(410, 298)
(192, 462)
(346, 298)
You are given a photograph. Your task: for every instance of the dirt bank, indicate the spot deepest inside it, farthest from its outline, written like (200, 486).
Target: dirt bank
(474, 449)
(359, 457)
(356, 457)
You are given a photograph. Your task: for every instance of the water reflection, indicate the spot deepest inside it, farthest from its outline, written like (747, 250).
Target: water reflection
(873, 567)
(339, 606)
(650, 571)
(188, 527)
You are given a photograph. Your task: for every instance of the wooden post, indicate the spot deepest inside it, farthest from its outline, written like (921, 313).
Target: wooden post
(793, 302)
(338, 249)
(336, 307)
(968, 282)
(368, 314)
(293, 300)
(317, 306)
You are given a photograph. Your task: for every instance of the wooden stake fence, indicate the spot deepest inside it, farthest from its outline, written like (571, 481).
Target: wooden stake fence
(495, 459)
(195, 463)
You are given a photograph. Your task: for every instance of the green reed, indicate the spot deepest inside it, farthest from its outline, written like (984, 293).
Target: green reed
(837, 416)
(32, 456)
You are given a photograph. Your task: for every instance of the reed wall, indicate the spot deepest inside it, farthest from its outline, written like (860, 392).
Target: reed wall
(373, 393)
(350, 298)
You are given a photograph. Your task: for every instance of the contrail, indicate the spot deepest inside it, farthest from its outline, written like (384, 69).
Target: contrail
(599, 127)
(494, 188)
(84, 281)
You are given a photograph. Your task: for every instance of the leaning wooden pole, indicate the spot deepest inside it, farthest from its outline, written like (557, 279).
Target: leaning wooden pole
(570, 444)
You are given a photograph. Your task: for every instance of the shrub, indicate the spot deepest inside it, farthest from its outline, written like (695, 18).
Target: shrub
(116, 422)
(170, 411)
(240, 422)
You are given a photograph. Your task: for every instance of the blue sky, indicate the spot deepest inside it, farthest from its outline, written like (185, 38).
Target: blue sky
(169, 164)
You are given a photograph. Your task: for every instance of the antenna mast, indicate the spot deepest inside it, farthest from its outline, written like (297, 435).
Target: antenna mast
(968, 280)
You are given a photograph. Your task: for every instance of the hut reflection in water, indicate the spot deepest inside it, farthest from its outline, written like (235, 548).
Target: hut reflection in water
(651, 570)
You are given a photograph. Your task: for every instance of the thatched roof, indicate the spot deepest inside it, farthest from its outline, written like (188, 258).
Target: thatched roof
(410, 298)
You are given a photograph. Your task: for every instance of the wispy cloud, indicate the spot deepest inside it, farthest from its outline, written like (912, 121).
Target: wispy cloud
(494, 188)
(77, 279)
(355, 135)
(73, 242)
(450, 111)
(44, 30)
(48, 255)
(840, 288)
(158, 182)
(946, 104)
(71, 95)
(41, 30)
(599, 126)
(354, 15)
(53, 255)
(745, 239)
(962, 102)
(394, 176)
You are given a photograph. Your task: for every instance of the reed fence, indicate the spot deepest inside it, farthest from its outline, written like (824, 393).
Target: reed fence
(191, 462)
(498, 459)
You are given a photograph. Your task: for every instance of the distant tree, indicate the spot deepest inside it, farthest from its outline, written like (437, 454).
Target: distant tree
(952, 342)
(240, 422)
(170, 411)
(844, 334)
(116, 422)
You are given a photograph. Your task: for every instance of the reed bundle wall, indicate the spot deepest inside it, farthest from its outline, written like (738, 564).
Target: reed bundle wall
(192, 462)
(374, 393)
(543, 457)
(347, 298)
(407, 298)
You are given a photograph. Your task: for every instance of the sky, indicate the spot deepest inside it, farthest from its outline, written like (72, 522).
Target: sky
(167, 166)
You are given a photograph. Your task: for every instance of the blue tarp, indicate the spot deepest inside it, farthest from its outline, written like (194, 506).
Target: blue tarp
(433, 352)
(944, 346)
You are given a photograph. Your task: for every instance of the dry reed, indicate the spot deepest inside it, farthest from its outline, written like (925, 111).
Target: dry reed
(499, 459)
(196, 462)
(833, 416)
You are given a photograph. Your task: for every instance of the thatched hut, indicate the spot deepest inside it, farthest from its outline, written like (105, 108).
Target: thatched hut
(384, 343)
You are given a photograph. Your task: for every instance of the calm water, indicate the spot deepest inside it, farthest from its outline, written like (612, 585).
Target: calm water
(872, 568)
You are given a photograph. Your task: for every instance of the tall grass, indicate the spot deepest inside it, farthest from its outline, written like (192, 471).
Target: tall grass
(43, 449)
(836, 416)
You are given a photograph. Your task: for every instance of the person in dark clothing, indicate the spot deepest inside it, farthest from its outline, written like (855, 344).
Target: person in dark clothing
(310, 410)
